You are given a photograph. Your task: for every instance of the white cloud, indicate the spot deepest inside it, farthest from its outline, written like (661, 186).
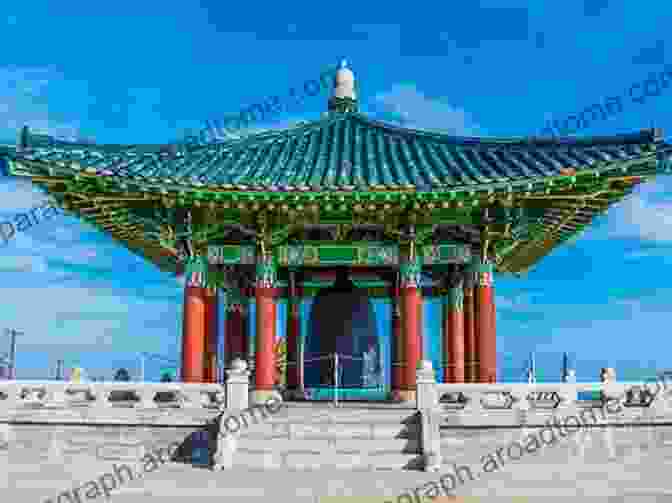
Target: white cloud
(422, 112)
(639, 217)
(263, 127)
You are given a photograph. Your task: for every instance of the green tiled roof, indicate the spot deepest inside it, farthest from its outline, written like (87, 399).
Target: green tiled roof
(342, 152)
(341, 166)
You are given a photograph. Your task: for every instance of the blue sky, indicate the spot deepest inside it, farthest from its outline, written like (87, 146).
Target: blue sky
(146, 72)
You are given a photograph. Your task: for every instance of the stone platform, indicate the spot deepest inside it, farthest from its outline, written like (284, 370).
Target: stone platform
(310, 450)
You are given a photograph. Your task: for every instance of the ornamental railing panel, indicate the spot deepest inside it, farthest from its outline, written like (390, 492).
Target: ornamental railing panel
(16, 395)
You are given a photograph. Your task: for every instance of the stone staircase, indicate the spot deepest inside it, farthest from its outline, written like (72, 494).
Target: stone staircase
(314, 436)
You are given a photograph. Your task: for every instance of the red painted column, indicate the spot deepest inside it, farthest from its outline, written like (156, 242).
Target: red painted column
(293, 334)
(470, 346)
(411, 319)
(264, 356)
(274, 335)
(493, 327)
(193, 334)
(396, 345)
(194, 321)
(487, 338)
(453, 332)
(210, 353)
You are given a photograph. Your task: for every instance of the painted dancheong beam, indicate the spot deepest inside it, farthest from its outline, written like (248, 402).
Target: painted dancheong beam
(350, 254)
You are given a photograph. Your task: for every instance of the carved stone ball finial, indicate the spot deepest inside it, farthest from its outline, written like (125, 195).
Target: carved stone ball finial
(238, 365)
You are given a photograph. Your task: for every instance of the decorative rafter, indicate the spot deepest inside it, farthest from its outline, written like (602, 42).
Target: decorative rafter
(528, 188)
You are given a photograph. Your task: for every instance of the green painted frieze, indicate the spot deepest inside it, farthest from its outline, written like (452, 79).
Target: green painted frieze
(196, 271)
(266, 273)
(449, 253)
(410, 273)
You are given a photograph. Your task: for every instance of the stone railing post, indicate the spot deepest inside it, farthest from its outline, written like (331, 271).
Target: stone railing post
(427, 404)
(430, 420)
(521, 408)
(474, 405)
(569, 396)
(237, 385)
(57, 396)
(237, 399)
(146, 398)
(521, 405)
(101, 396)
(426, 386)
(12, 393)
(610, 392)
(193, 395)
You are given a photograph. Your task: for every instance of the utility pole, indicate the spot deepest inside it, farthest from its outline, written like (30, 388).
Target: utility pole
(59, 370)
(12, 351)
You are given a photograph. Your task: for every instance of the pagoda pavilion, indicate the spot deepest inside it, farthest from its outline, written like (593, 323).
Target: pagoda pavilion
(379, 210)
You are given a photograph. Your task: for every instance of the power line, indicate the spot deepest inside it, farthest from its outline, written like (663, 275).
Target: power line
(59, 370)
(12, 333)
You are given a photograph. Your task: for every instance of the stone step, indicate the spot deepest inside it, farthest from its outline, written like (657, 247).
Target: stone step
(342, 446)
(309, 461)
(329, 430)
(335, 415)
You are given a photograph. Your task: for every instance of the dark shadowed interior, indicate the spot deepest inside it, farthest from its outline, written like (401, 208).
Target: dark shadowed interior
(342, 320)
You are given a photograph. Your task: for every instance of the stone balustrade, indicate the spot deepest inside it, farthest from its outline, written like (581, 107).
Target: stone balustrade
(523, 405)
(57, 394)
(481, 398)
(119, 402)
(477, 398)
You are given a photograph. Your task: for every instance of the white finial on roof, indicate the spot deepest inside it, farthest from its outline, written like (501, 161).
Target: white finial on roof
(344, 82)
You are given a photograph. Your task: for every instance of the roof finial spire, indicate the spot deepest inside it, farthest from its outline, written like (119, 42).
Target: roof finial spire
(344, 98)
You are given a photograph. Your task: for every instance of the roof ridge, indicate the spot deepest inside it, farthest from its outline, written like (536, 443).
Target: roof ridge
(652, 135)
